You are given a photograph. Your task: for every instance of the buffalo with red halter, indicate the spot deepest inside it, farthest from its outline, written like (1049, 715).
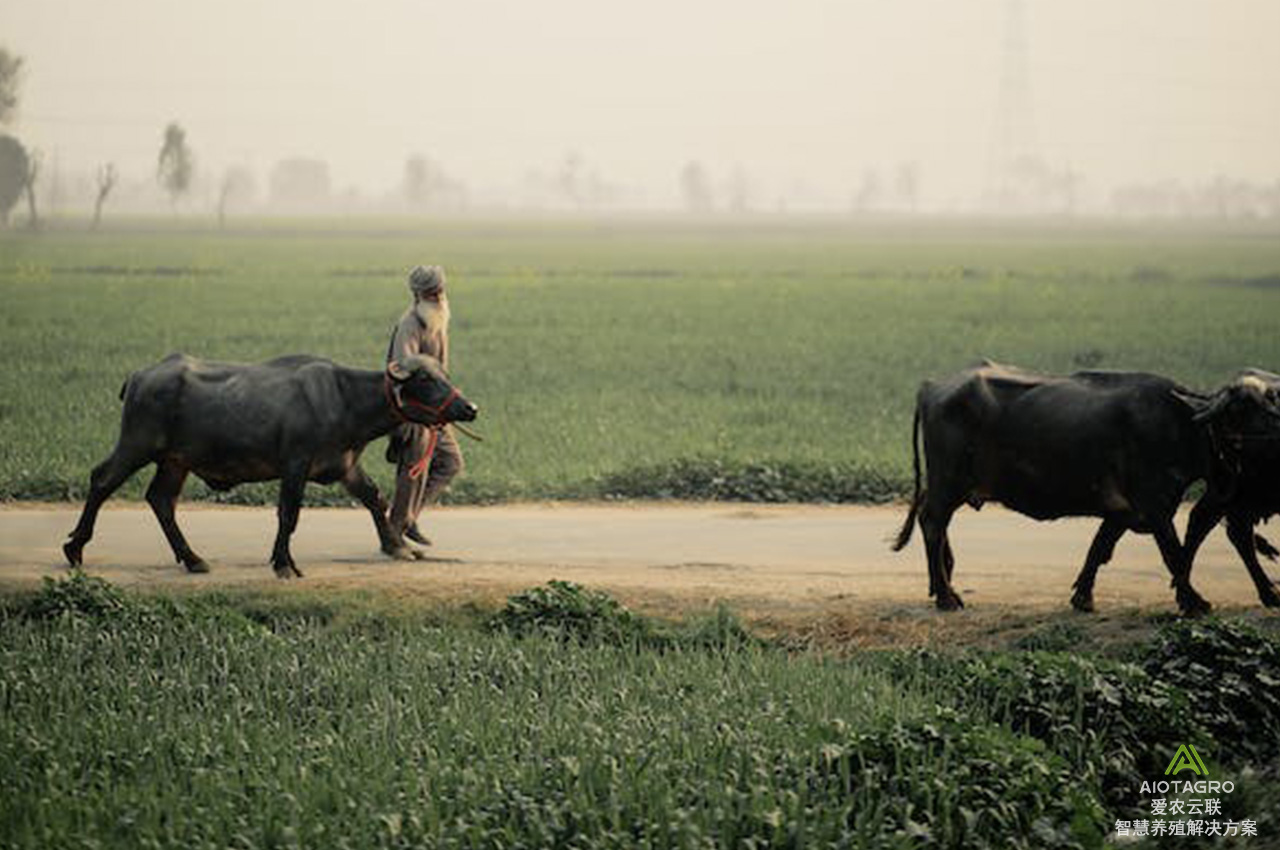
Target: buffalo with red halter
(297, 419)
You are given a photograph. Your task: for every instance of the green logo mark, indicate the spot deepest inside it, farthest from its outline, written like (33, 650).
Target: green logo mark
(1186, 758)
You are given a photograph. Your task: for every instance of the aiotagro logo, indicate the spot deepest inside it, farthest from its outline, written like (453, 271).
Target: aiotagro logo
(1186, 758)
(1184, 806)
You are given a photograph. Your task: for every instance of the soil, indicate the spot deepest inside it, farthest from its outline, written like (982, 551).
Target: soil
(822, 571)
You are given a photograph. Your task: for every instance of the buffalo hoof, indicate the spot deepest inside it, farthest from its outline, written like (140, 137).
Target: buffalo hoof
(1083, 603)
(949, 602)
(199, 565)
(1194, 605)
(1270, 598)
(74, 552)
(417, 536)
(406, 553)
(286, 569)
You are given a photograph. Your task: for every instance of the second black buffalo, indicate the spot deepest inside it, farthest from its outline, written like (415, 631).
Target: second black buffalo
(1122, 446)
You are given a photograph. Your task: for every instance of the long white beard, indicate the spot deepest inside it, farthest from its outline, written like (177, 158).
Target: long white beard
(434, 314)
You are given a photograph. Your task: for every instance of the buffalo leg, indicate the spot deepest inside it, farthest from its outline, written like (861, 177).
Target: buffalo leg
(933, 526)
(162, 495)
(359, 484)
(292, 487)
(1100, 552)
(105, 479)
(1240, 533)
(1206, 514)
(948, 564)
(1204, 517)
(1175, 559)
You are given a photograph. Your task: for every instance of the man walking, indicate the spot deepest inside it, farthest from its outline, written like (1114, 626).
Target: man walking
(423, 329)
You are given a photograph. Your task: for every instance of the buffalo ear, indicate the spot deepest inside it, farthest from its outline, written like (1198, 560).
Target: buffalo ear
(398, 372)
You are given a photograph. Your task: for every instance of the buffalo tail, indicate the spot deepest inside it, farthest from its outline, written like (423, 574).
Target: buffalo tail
(904, 536)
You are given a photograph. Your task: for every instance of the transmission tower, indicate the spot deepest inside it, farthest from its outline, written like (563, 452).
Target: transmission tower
(1016, 173)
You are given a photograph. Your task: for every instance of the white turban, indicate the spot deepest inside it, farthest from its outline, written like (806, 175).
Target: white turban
(426, 280)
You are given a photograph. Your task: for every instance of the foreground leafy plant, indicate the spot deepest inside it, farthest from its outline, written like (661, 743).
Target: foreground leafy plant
(1113, 722)
(1230, 674)
(568, 610)
(78, 595)
(997, 788)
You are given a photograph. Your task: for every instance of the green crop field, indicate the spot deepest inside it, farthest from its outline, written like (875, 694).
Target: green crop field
(756, 360)
(563, 720)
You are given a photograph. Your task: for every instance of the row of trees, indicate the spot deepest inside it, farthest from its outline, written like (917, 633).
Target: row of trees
(1220, 197)
(296, 184)
(304, 185)
(20, 165)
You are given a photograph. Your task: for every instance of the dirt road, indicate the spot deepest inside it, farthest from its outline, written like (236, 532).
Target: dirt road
(767, 562)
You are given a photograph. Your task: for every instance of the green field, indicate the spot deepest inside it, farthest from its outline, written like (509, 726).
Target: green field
(287, 720)
(760, 360)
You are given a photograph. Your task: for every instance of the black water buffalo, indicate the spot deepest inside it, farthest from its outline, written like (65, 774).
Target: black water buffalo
(1123, 446)
(1254, 494)
(296, 418)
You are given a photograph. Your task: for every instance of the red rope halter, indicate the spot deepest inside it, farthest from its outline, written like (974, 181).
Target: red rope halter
(423, 463)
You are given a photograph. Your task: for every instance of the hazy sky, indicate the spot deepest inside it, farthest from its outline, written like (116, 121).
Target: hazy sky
(803, 95)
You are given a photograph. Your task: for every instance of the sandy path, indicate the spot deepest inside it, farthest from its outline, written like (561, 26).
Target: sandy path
(766, 561)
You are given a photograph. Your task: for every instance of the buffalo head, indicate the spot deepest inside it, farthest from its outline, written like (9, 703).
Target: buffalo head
(1242, 418)
(424, 394)
(1249, 405)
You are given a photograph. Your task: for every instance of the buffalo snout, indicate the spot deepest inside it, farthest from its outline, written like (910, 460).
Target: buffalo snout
(462, 411)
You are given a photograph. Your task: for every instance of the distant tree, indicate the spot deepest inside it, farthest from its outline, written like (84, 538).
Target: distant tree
(29, 185)
(907, 185)
(420, 178)
(695, 187)
(569, 180)
(236, 189)
(176, 165)
(14, 167)
(426, 184)
(106, 182)
(868, 194)
(10, 77)
(738, 190)
(1067, 187)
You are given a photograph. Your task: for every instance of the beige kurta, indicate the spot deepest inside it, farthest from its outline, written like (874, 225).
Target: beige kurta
(409, 441)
